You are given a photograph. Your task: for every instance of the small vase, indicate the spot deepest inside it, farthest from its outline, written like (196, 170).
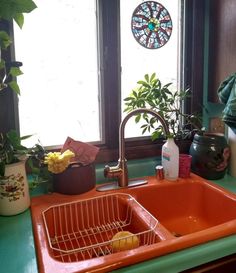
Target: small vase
(14, 190)
(210, 155)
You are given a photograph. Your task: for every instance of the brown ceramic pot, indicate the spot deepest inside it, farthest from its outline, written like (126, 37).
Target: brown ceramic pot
(76, 179)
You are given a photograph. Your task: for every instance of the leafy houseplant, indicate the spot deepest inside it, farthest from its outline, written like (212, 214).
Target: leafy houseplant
(150, 93)
(14, 189)
(11, 149)
(14, 192)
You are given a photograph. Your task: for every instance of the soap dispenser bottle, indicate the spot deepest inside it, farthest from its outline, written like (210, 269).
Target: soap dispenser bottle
(170, 159)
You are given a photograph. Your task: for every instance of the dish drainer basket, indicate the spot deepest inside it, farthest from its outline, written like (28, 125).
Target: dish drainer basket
(84, 229)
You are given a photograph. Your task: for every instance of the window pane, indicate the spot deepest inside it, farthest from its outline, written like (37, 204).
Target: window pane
(59, 88)
(136, 60)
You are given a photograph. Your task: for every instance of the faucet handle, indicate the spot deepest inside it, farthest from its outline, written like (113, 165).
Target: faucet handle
(112, 172)
(106, 170)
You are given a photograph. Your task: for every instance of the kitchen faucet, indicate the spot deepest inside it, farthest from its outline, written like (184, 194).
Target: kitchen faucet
(120, 171)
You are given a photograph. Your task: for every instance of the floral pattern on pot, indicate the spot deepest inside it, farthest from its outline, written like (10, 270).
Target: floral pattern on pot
(210, 155)
(12, 187)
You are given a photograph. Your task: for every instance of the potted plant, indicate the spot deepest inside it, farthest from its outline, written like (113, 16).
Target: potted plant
(63, 170)
(210, 152)
(14, 194)
(16, 161)
(151, 93)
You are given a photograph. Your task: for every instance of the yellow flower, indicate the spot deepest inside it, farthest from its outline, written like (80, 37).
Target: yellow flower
(58, 162)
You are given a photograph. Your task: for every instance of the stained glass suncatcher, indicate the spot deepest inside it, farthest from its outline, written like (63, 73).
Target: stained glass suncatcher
(151, 24)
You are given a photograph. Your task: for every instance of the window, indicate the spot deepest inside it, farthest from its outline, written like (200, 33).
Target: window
(106, 64)
(136, 60)
(60, 94)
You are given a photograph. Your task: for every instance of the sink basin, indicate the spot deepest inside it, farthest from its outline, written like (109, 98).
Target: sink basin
(189, 206)
(84, 229)
(75, 233)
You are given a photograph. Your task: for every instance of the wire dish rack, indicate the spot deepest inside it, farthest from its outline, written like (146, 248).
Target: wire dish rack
(84, 229)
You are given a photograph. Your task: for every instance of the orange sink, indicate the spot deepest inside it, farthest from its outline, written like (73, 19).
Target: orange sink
(189, 206)
(75, 233)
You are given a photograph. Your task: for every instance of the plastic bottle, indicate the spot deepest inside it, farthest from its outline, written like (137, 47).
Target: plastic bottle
(170, 159)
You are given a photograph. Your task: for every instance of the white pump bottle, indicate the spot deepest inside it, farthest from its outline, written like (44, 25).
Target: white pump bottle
(170, 159)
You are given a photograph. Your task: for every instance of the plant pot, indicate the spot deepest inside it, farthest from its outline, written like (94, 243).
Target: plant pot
(210, 155)
(14, 190)
(76, 179)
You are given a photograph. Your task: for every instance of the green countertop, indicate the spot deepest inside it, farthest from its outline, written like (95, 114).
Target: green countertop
(17, 252)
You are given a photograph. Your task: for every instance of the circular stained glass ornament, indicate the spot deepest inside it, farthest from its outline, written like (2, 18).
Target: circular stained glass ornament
(151, 25)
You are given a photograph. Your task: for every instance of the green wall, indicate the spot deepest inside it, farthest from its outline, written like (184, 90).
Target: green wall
(209, 109)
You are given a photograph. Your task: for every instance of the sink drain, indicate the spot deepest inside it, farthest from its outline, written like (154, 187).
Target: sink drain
(176, 234)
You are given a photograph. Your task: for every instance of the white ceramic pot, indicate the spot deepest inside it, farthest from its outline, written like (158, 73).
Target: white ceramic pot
(14, 190)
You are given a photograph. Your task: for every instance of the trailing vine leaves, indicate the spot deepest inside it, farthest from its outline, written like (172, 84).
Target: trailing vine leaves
(11, 10)
(14, 9)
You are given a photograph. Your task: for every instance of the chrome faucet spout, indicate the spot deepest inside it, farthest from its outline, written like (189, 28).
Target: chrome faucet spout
(133, 113)
(121, 171)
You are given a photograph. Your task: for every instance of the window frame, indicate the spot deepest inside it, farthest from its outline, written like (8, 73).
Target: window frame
(192, 76)
(110, 78)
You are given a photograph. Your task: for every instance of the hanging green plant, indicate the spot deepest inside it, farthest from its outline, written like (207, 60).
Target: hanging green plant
(11, 10)
(15, 9)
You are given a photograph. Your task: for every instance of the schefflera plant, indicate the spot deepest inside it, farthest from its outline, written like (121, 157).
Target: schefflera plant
(151, 93)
